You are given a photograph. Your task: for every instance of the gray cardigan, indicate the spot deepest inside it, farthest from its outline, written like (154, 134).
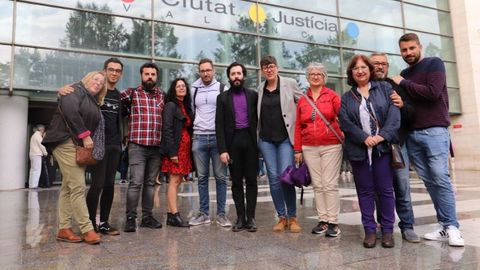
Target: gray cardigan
(290, 93)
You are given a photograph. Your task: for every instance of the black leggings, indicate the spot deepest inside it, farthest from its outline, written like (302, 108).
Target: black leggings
(103, 181)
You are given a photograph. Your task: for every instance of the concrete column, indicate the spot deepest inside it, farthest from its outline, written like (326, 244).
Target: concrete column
(466, 31)
(13, 139)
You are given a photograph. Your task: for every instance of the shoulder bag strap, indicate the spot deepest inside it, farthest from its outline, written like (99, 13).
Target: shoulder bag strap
(329, 125)
(368, 111)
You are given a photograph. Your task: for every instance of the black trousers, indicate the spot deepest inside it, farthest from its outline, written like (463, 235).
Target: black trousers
(244, 165)
(103, 182)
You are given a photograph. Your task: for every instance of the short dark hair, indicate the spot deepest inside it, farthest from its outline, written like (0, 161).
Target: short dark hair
(148, 65)
(205, 60)
(112, 60)
(236, 64)
(172, 94)
(351, 65)
(409, 37)
(267, 60)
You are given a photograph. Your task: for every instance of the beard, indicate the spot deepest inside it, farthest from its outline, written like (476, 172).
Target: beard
(380, 75)
(412, 60)
(237, 84)
(148, 85)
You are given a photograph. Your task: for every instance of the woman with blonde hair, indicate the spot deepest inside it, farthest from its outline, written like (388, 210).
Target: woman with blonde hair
(78, 118)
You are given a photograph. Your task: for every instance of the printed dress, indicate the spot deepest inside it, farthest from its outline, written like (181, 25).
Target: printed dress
(184, 165)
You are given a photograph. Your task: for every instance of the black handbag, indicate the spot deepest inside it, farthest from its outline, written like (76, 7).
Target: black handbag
(397, 158)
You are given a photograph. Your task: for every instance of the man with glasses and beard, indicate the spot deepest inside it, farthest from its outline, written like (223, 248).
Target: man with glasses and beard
(144, 106)
(401, 177)
(236, 131)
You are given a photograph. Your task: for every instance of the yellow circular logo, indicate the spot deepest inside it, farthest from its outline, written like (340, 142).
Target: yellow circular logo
(257, 13)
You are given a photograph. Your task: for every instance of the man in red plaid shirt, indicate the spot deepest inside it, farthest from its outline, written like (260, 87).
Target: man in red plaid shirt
(144, 105)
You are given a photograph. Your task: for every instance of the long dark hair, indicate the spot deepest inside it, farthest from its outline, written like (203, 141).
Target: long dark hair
(172, 94)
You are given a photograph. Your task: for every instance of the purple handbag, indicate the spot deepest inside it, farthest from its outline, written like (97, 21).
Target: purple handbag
(286, 176)
(298, 177)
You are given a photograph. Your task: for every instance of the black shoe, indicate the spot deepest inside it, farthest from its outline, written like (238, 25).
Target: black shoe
(321, 228)
(150, 222)
(176, 220)
(105, 228)
(251, 225)
(239, 225)
(130, 225)
(333, 230)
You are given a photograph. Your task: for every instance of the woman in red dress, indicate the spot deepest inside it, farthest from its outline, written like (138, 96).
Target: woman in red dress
(176, 144)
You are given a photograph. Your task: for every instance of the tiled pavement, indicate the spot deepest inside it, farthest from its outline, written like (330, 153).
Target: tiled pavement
(29, 217)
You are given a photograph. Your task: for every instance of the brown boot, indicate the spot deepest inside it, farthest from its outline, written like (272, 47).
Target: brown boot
(67, 235)
(293, 225)
(281, 225)
(91, 237)
(370, 240)
(387, 240)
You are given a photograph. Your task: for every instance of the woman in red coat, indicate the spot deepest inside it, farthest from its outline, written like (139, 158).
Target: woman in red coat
(318, 145)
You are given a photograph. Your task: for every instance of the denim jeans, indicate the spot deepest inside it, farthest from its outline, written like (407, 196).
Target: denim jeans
(429, 150)
(277, 157)
(204, 148)
(145, 164)
(403, 201)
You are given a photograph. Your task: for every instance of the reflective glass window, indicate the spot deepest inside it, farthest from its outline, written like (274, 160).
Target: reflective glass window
(440, 4)
(5, 52)
(434, 45)
(48, 70)
(138, 8)
(383, 11)
(291, 24)
(225, 15)
(83, 30)
(372, 37)
(188, 43)
(6, 20)
(326, 6)
(426, 19)
(452, 75)
(454, 102)
(297, 56)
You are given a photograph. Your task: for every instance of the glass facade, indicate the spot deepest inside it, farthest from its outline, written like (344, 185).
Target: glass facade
(56, 42)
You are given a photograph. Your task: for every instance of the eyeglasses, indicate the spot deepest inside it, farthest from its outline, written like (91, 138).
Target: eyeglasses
(316, 75)
(361, 68)
(269, 67)
(385, 64)
(205, 71)
(114, 70)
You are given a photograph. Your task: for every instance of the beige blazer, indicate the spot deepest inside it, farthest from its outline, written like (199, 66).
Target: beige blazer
(289, 95)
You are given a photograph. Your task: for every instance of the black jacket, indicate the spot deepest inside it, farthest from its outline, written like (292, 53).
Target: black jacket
(82, 113)
(173, 122)
(225, 119)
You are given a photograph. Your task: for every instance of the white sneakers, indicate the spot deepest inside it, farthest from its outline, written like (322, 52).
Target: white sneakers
(451, 234)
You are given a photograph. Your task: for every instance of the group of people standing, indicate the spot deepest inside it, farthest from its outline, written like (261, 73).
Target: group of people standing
(207, 123)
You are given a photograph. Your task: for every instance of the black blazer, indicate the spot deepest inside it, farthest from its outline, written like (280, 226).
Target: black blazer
(173, 121)
(225, 119)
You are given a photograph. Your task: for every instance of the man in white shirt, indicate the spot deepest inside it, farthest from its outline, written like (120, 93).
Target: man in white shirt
(37, 150)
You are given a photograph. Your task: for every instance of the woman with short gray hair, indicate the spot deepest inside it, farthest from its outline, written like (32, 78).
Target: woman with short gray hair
(319, 144)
